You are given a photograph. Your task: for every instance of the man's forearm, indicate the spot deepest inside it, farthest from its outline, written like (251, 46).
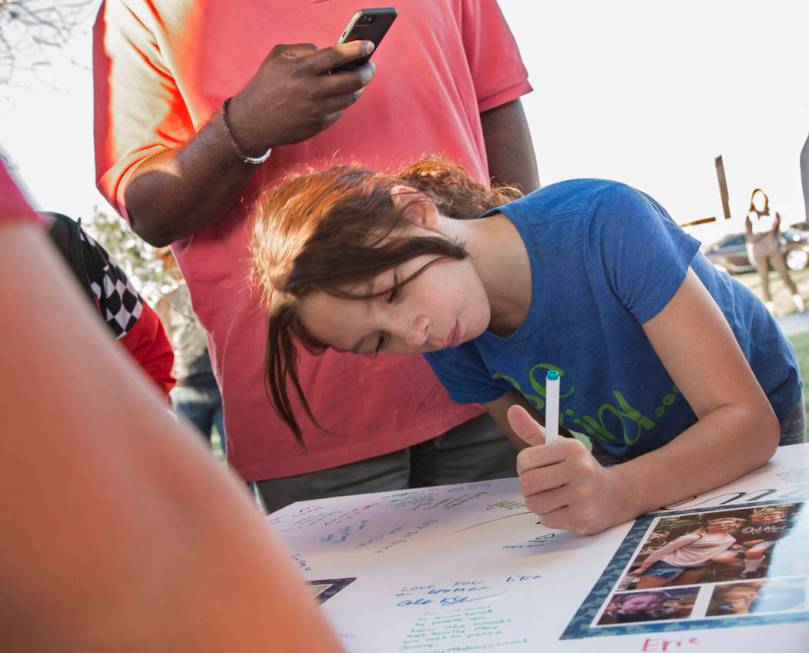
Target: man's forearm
(176, 193)
(508, 147)
(290, 98)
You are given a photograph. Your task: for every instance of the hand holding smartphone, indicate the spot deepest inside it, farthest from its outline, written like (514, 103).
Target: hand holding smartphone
(366, 25)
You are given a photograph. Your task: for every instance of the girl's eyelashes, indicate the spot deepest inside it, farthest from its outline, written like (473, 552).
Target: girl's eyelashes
(394, 293)
(392, 297)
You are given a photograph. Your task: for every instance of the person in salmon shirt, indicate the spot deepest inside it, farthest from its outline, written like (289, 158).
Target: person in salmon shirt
(201, 106)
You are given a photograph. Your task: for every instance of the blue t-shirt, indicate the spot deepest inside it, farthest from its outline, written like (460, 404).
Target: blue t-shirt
(605, 259)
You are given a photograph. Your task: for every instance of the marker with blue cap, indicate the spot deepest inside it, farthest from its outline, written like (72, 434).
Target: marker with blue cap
(552, 406)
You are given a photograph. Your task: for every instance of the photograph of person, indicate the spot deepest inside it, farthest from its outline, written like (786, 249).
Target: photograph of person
(658, 605)
(715, 563)
(749, 557)
(736, 598)
(719, 546)
(759, 596)
(685, 559)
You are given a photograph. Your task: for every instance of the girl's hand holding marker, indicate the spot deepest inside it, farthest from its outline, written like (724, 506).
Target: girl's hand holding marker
(564, 484)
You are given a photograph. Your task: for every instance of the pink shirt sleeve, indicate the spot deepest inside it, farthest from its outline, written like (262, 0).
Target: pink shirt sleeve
(494, 59)
(138, 108)
(13, 205)
(672, 546)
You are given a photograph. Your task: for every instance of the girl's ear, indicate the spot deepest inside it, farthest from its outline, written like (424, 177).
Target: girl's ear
(417, 207)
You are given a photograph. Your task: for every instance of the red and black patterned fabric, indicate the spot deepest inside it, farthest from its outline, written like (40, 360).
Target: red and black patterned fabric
(128, 317)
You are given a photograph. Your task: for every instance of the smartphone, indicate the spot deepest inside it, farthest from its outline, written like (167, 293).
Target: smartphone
(366, 25)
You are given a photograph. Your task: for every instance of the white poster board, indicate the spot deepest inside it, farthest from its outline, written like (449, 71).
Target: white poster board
(466, 568)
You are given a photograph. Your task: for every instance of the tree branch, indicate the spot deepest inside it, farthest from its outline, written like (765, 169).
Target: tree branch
(30, 27)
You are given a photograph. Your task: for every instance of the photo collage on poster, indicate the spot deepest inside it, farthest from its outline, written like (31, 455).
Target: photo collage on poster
(703, 569)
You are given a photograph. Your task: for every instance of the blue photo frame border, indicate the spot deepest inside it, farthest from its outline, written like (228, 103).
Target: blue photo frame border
(580, 625)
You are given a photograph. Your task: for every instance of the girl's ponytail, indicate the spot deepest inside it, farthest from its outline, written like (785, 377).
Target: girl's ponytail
(452, 190)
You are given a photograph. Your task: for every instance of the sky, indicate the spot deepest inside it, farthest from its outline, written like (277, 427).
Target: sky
(642, 91)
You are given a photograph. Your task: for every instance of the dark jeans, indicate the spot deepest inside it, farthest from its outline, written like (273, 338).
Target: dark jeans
(793, 426)
(202, 406)
(476, 450)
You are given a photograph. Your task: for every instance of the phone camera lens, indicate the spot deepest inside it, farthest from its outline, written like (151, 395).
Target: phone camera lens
(366, 20)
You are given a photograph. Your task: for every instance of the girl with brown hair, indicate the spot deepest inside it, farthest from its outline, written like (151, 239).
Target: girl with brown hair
(764, 247)
(668, 366)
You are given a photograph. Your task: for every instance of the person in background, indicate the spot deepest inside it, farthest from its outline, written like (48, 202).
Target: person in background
(196, 395)
(148, 558)
(129, 318)
(200, 106)
(763, 238)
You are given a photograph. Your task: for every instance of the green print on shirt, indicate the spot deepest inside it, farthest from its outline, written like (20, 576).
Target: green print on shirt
(632, 421)
(537, 400)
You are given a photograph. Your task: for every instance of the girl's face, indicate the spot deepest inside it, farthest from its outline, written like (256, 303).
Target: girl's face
(721, 525)
(634, 604)
(744, 595)
(758, 202)
(442, 307)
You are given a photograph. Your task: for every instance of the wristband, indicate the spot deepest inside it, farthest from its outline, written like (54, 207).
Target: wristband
(252, 160)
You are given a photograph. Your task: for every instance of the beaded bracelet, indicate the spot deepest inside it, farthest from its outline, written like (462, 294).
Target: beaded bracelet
(253, 160)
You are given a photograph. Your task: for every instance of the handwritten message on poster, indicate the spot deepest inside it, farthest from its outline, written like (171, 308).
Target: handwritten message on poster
(467, 568)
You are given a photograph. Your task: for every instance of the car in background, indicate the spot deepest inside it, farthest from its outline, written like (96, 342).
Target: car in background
(800, 226)
(730, 252)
